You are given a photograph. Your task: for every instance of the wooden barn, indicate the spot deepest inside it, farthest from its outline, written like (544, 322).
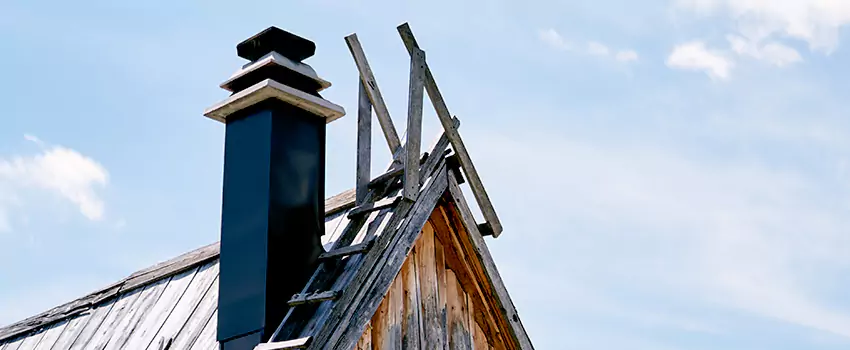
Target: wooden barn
(398, 262)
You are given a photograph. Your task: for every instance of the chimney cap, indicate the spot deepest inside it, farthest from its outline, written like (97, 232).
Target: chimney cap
(278, 40)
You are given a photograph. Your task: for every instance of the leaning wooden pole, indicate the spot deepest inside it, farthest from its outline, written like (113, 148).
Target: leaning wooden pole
(495, 226)
(414, 125)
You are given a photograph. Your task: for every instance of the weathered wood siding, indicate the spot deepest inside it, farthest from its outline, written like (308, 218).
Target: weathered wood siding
(428, 306)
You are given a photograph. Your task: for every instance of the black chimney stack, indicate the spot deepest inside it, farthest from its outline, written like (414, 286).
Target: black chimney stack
(272, 214)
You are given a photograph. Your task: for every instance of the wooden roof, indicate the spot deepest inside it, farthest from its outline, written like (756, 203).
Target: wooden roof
(175, 302)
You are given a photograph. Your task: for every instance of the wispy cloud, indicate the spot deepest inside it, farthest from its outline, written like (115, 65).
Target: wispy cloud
(773, 53)
(58, 170)
(695, 56)
(554, 40)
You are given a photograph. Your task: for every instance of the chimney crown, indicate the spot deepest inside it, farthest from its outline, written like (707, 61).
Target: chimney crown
(278, 40)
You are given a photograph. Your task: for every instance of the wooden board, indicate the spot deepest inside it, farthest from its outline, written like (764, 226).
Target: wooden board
(31, 341)
(158, 313)
(126, 327)
(110, 323)
(432, 317)
(365, 342)
(364, 145)
(97, 317)
(411, 318)
(71, 331)
(51, 335)
(207, 339)
(198, 319)
(196, 290)
(458, 316)
(414, 125)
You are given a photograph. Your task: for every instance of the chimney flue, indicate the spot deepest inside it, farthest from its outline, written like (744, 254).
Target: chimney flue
(272, 215)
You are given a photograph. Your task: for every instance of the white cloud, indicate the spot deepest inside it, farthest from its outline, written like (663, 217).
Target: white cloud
(556, 41)
(773, 53)
(817, 22)
(695, 56)
(627, 56)
(57, 170)
(553, 39)
(597, 49)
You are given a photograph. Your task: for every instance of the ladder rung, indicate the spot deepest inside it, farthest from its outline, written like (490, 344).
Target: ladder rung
(285, 345)
(314, 297)
(346, 251)
(370, 207)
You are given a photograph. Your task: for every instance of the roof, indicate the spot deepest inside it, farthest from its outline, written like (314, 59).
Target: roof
(173, 305)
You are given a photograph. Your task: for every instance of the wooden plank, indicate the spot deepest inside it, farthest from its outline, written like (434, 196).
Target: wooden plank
(346, 251)
(479, 339)
(432, 318)
(461, 264)
(315, 297)
(190, 299)
(134, 316)
(395, 314)
(380, 323)
(497, 289)
(111, 323)
(153, 320)
(51, 335)
(300, 343)
(71, 331)
(198, 319)
(368, 80)
(383, 178)
(411, 317)
(207, 339)
(15, 344)
(457, 143)
(364, 145)
(414, 125)
(365, 342)
(458, 318)
(440, 264)
(370, 207)
(31, 341)
(93, 324)
(360, 303)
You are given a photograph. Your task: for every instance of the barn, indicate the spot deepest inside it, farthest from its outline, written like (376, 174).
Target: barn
(398, 262)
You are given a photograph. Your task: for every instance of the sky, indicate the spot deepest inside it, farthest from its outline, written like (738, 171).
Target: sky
(671, 174)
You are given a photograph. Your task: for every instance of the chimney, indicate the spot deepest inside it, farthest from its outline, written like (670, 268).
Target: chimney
(272, 213)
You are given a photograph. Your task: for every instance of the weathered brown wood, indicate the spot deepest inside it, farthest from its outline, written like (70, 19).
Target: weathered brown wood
(432, 318)
(414, 125)
(462, 220)
(479, 339)
(379, 323)
(368, 79)
(457, 143)
(412, 318)
(316, 297)
(370, 207)
(346, 251)
(300, 343)
(460, 263)
(440, 262)
(365, 342)
(395, 312)
(458, 319)
(358, 304)
(364, 145)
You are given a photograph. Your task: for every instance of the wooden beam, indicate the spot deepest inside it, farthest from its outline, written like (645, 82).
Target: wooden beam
(457, 143)
(414, 125)
(364, 145)
(381, 179)
(346, 251)
(370, 207)
(368, 80)
(299, 299)
(285, 345)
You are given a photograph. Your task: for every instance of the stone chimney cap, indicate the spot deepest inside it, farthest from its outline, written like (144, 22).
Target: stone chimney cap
(278, 40)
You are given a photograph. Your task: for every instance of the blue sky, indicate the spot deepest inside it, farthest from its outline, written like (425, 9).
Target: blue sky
(671, 174)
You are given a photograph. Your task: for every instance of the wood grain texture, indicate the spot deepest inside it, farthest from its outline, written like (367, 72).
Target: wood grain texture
(374, 93)
(380, 323)
(365, 342)
(190, 299)
(364, 145)
(71, 331)
(97, 317)
(130, 320)
(207, 339)
(31, 341)
(156, 316)
(440, 265)
(432, 318)
(411, 316)
(458, 317)
(414, 125)
(199, 318)
(451, 132)
(51, 335)
(110, 323)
